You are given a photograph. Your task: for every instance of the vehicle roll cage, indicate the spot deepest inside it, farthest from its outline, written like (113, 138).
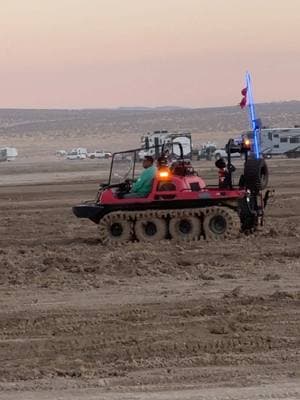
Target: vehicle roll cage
(160, 151)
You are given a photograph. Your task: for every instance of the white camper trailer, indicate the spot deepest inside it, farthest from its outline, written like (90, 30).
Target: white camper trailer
(158, 138)
(8, 153)
(279, 141)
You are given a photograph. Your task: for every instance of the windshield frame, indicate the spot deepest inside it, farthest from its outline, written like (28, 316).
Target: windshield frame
(158, 150)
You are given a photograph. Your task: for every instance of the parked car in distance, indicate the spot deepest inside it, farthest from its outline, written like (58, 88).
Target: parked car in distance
(61, 153)
(100, 154)
(77, 154)
(221, 153)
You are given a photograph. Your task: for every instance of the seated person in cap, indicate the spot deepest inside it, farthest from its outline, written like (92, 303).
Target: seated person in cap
(142, 186)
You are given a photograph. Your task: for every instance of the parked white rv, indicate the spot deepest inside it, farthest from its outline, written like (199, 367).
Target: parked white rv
(158, 138)
(276, 141)
(279, 141)
(8, 153)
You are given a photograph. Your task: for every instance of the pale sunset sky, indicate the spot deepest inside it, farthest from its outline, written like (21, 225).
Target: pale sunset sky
(110, 53)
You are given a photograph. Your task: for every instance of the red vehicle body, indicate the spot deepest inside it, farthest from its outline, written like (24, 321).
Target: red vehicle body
(188, 188)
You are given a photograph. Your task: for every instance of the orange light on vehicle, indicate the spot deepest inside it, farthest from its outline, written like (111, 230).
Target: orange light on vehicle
(164, 174)
(247, 142)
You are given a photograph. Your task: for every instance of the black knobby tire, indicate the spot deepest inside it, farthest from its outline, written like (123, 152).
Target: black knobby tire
(256, 175)
(150, 228)
(115, 228)
(220, 223)
(185, 228)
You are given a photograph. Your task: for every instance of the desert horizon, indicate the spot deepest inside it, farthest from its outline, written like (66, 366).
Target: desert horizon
(38, 134)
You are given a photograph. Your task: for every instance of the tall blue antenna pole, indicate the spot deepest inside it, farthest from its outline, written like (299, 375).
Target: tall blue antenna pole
(252, 117)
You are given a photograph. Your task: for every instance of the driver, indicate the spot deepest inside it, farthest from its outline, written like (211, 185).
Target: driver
(142, 186)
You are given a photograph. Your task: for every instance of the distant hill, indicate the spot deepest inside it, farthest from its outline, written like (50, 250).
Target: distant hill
(127, 120)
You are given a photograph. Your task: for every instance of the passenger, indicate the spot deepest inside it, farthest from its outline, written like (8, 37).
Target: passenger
(224, 173)
(143, 185)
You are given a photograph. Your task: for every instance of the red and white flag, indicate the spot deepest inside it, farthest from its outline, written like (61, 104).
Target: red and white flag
(243, 102)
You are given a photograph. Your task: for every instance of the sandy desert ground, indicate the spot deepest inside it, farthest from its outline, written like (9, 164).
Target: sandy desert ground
(189, 321)
(193, 321)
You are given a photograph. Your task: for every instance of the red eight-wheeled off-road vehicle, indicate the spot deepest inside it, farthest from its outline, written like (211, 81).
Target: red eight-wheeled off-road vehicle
(180, 205)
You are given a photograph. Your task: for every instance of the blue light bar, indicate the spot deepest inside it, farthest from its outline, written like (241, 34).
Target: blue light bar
(254, 122)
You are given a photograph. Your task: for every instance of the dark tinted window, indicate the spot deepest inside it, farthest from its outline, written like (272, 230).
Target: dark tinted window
(270, 136)
(276, 135)
(294, 140)
(283, 140)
